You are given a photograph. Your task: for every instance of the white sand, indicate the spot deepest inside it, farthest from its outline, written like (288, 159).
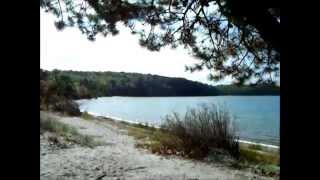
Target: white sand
(119, 159)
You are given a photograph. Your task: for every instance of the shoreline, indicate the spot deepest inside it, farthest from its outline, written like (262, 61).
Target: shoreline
(245, 142)
(119, 157)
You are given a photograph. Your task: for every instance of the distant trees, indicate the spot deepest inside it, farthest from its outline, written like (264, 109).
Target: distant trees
(57, 92)
(64, 86)
(58, 89)
(44, 87)
(77, 85)
(83, 92)
(261, 89)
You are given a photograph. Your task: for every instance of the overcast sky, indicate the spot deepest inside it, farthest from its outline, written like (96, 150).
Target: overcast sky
(70, 50)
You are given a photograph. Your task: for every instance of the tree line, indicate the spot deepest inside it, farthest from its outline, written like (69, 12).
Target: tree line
(79, 85)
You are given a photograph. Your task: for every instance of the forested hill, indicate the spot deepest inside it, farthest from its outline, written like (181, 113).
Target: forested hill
(247, 90)
(78, 84)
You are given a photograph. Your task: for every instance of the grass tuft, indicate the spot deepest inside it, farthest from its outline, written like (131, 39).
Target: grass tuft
(259, 157)
(69, 133)
(85, 115)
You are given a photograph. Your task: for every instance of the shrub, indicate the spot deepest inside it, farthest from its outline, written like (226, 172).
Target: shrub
(67, 106)
(202, 130)
(86, 115)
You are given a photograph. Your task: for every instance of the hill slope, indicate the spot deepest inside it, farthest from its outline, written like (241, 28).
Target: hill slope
(94, 84)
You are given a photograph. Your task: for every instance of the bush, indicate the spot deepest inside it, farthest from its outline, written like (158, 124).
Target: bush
(67, 106)
(85, 115)
(202, 130)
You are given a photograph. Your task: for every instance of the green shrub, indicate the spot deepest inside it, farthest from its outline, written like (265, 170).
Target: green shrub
(86, 115)
(67, 106)
(269, 170)
(202, 130)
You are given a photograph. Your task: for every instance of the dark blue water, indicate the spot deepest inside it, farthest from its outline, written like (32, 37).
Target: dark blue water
(257, 117)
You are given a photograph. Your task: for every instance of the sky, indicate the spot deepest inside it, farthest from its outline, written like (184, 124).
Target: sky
(70, 50)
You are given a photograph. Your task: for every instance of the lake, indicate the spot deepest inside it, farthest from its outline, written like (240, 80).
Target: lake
(257, 117)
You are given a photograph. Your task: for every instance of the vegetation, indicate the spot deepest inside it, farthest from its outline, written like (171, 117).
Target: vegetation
(203, 130)
(262, 162)
(163, 142)
(200, 132)
(86, 115)
(205, 133)
(248, 90)
(69, 133)
(255, 147)
(240, 39)
(228, 36)
(76, 85)
(56, 94)
(257, 156)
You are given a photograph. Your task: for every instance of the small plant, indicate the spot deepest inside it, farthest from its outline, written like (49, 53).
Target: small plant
(86, 115)
(86, 141)
(269, 170)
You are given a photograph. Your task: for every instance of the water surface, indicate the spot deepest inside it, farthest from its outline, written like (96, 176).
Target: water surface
(257, 117)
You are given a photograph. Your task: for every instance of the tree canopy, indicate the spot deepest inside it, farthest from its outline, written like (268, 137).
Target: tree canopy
(228, 36)
(80, 84)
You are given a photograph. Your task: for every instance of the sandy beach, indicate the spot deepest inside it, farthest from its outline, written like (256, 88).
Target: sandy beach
(118, 158)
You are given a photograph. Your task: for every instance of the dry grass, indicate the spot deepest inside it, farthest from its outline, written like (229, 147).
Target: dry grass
(259, 157)
(255, 147)
(202, 130)
(262, 162)
(139, 133)
(198, 133)
(184, 138)
(161, 142)
(68, 133)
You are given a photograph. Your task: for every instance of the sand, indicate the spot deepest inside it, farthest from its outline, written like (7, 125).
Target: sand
(118, 158)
